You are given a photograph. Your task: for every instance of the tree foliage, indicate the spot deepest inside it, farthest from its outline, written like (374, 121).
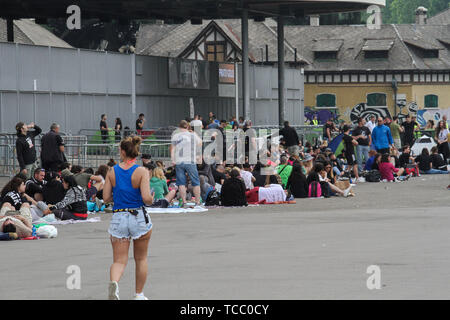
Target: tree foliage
(403, 11)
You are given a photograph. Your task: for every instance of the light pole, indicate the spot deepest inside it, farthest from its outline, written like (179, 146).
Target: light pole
(395, 87)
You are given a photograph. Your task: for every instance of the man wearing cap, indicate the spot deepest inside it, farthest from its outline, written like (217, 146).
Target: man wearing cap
(146, 158)
(52, 149)
(25, 149)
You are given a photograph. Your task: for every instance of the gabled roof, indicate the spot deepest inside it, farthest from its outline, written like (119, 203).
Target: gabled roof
(26, 31)
(426, 36)
(174, 41)
(442, 18)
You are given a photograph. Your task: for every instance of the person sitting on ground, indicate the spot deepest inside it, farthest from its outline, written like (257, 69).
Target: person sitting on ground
(82, 179)
(247, 176)
(284, 170)
(219, 174)
(263, 175)
(65, 165)
(426, 165)
(233, 191)
(405, 158)
(387, 169)
(337, 165)
(297, 184)
(307, 164)
(74, 204)
(158, 184)
(437, 160)
(372, 162)
(205, 170)
(15, 199)
(53, 191)
(325, 182)
(33, 186)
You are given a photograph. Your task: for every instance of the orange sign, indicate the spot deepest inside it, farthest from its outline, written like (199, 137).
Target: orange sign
(226, 73)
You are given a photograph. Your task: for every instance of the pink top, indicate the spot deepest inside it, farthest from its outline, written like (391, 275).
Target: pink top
(387, 170)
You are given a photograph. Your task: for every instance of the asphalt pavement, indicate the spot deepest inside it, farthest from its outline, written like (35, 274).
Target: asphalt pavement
(315, 249)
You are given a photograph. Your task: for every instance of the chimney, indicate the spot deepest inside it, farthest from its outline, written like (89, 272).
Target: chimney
(314, 20)
(421, 15)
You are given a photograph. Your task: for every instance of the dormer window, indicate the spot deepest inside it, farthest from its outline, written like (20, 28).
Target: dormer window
(377, 48)
(325, 55)
(326, 49)
(380, 54)
(431, 53)
(423, 48)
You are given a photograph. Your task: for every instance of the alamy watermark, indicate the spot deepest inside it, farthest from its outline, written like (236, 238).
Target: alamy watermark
(374, 280)
(73, 282)
(374, 20)
(233, 146)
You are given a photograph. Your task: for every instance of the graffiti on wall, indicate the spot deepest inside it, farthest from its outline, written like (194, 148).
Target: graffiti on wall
(322, 114)
(436, 115)
(363, 111)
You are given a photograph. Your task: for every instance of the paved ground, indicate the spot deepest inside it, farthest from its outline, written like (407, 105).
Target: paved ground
(316, 249)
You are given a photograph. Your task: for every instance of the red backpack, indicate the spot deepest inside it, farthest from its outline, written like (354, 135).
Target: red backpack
(315, 190)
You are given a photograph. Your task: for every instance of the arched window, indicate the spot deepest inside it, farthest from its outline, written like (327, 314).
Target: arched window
(431, 101)
(376, 100)
(326, 100)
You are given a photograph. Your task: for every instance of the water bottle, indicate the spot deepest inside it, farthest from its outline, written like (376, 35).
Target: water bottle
(34, 231)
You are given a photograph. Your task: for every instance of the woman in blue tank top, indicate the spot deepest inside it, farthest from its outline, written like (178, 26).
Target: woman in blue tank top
(128, 186)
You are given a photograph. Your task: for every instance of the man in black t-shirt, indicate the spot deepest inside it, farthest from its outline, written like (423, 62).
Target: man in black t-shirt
(363, 137)
(104, 128)
(327, 130)
(349, 151)
(290, 139)
(52, 149)
(408, 135)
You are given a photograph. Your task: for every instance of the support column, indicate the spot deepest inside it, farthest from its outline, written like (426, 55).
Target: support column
(245, 67)
(10, 30)
(281, 89)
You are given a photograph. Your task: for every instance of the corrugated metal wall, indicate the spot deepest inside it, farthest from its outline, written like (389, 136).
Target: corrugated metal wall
(74, 87)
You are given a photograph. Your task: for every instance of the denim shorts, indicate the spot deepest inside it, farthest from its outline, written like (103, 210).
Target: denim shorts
(191, 170)
(125, 225)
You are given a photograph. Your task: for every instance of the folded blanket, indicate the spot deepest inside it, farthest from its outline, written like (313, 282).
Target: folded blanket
(96, 219)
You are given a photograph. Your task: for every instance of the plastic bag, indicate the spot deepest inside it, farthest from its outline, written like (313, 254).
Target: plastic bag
(47, 231)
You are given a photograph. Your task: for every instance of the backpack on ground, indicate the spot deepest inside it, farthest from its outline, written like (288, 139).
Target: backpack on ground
(326, 190)
(412, 169)
(213, 199)
(315, 190)
(373, 176)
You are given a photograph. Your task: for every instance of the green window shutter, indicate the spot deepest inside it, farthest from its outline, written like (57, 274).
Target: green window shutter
(431, 101)
(326, 100)
(376, 99)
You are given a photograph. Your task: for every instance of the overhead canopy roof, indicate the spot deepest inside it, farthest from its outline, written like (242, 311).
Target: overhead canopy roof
(183, 9)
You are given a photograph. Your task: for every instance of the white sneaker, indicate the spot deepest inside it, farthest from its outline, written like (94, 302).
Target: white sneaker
(113, 291)
(347, 191)
(361, 179)
(139, 297)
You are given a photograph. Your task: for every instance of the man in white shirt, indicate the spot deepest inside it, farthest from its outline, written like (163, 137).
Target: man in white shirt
(183, 151)
(196, 122)
(248, 177)
(371, 123)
